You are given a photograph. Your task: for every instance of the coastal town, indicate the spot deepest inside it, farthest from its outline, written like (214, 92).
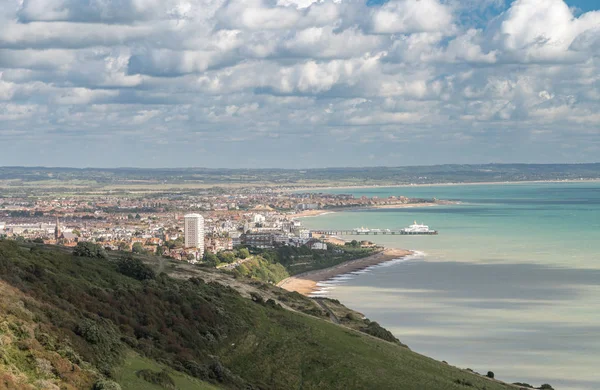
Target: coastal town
(182, 226)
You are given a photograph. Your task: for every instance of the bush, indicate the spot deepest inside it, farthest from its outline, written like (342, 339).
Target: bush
(546, 386)
(134, 268)
(89, 249)
(105, 384)
(162, 378)
(490, 374)
(257, 298)
(374, 329)
(463, 382)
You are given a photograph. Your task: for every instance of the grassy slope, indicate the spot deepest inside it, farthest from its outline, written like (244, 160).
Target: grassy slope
(256, 345)
(126, 376)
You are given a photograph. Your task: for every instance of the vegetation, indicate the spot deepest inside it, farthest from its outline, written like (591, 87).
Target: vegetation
(94, 178)
(302, 259)
(93, 324)
(89, 249)
(261, 269)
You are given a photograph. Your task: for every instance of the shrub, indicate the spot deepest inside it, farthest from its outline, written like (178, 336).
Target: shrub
(257, 298)
(546, 386)
(490, 374)
(161, 378)
(374, 329)
(89, 249)
(134, 268)
(105, 384)
(463, 382)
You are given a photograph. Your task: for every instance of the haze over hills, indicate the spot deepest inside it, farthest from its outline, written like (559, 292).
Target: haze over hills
(13, 176)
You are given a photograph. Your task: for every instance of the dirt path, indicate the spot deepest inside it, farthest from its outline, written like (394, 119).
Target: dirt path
(332, 315)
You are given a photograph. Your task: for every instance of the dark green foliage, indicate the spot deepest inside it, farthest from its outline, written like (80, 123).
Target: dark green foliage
(211, 259)
(137, 247)
(374, 329)
(258, 268)
(89, 249)
(243, 253)
(520, 384)
(257, 298)
(546, 386)
(104, 340)
(490, 374)
(90, 313)
(105, 384)
(302, 259)
(161, 378)
(464, 382)
(135, 268)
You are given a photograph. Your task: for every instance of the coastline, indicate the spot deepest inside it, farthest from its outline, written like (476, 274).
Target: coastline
(306, 283)
(316, 213)
(351, 187)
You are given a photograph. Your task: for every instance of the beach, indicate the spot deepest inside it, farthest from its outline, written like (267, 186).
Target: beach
(306, 282)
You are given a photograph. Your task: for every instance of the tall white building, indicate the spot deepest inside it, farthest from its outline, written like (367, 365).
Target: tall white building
(194, 232)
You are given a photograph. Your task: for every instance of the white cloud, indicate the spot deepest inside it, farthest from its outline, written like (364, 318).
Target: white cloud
(285, 69)
(409, 16)
(542, 30)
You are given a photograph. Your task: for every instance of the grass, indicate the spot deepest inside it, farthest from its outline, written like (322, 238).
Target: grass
(201, 328)
(126, 375)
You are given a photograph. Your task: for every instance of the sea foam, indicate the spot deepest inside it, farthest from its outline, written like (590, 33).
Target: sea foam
(326, 286)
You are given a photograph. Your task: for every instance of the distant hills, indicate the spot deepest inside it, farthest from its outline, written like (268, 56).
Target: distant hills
(299, 177)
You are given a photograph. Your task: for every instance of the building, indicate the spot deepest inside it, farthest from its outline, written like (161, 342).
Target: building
(194, 232)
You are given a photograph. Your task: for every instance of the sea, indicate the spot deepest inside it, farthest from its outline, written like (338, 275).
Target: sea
(511, 284)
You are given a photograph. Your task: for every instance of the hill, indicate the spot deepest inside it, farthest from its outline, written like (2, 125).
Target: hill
(92, 322)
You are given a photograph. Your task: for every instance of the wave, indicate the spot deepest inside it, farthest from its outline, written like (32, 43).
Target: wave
(330, 284)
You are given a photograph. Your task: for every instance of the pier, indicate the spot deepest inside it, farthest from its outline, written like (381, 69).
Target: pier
(373, 232)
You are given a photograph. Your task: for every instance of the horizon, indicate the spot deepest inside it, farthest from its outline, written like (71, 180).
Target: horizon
(291, 169)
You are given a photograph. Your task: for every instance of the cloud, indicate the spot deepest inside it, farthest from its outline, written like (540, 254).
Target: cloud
(542, 30)
(181, 73)
(409, 16)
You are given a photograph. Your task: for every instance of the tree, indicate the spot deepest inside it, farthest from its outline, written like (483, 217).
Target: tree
(137, 216)
(123, 246)
(490, 374)
(89, 249)
(226, 257)
(38, 240)
(546, 386)
(211, 259)
(134, 268)
(243, 253)
(160, 251)
(138, 248)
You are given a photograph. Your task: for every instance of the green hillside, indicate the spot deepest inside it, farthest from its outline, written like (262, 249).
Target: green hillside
(81, 323)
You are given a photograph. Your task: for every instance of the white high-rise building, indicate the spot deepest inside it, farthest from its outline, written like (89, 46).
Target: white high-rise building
(194, 232)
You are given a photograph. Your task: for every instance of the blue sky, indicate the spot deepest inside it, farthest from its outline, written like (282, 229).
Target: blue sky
(298, 83)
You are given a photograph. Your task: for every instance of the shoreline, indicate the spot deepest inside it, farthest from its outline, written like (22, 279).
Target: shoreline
(316, 213)
(350, 187)
(306, 283)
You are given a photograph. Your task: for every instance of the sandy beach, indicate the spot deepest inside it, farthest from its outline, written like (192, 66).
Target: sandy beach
(316, 213)
(306, 282)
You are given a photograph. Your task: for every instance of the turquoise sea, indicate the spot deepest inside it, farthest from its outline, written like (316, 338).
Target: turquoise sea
(511, 284)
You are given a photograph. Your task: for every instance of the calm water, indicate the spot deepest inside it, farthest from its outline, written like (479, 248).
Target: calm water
(511, 284)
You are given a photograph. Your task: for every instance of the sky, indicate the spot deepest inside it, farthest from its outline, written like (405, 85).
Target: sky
(298, 83)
